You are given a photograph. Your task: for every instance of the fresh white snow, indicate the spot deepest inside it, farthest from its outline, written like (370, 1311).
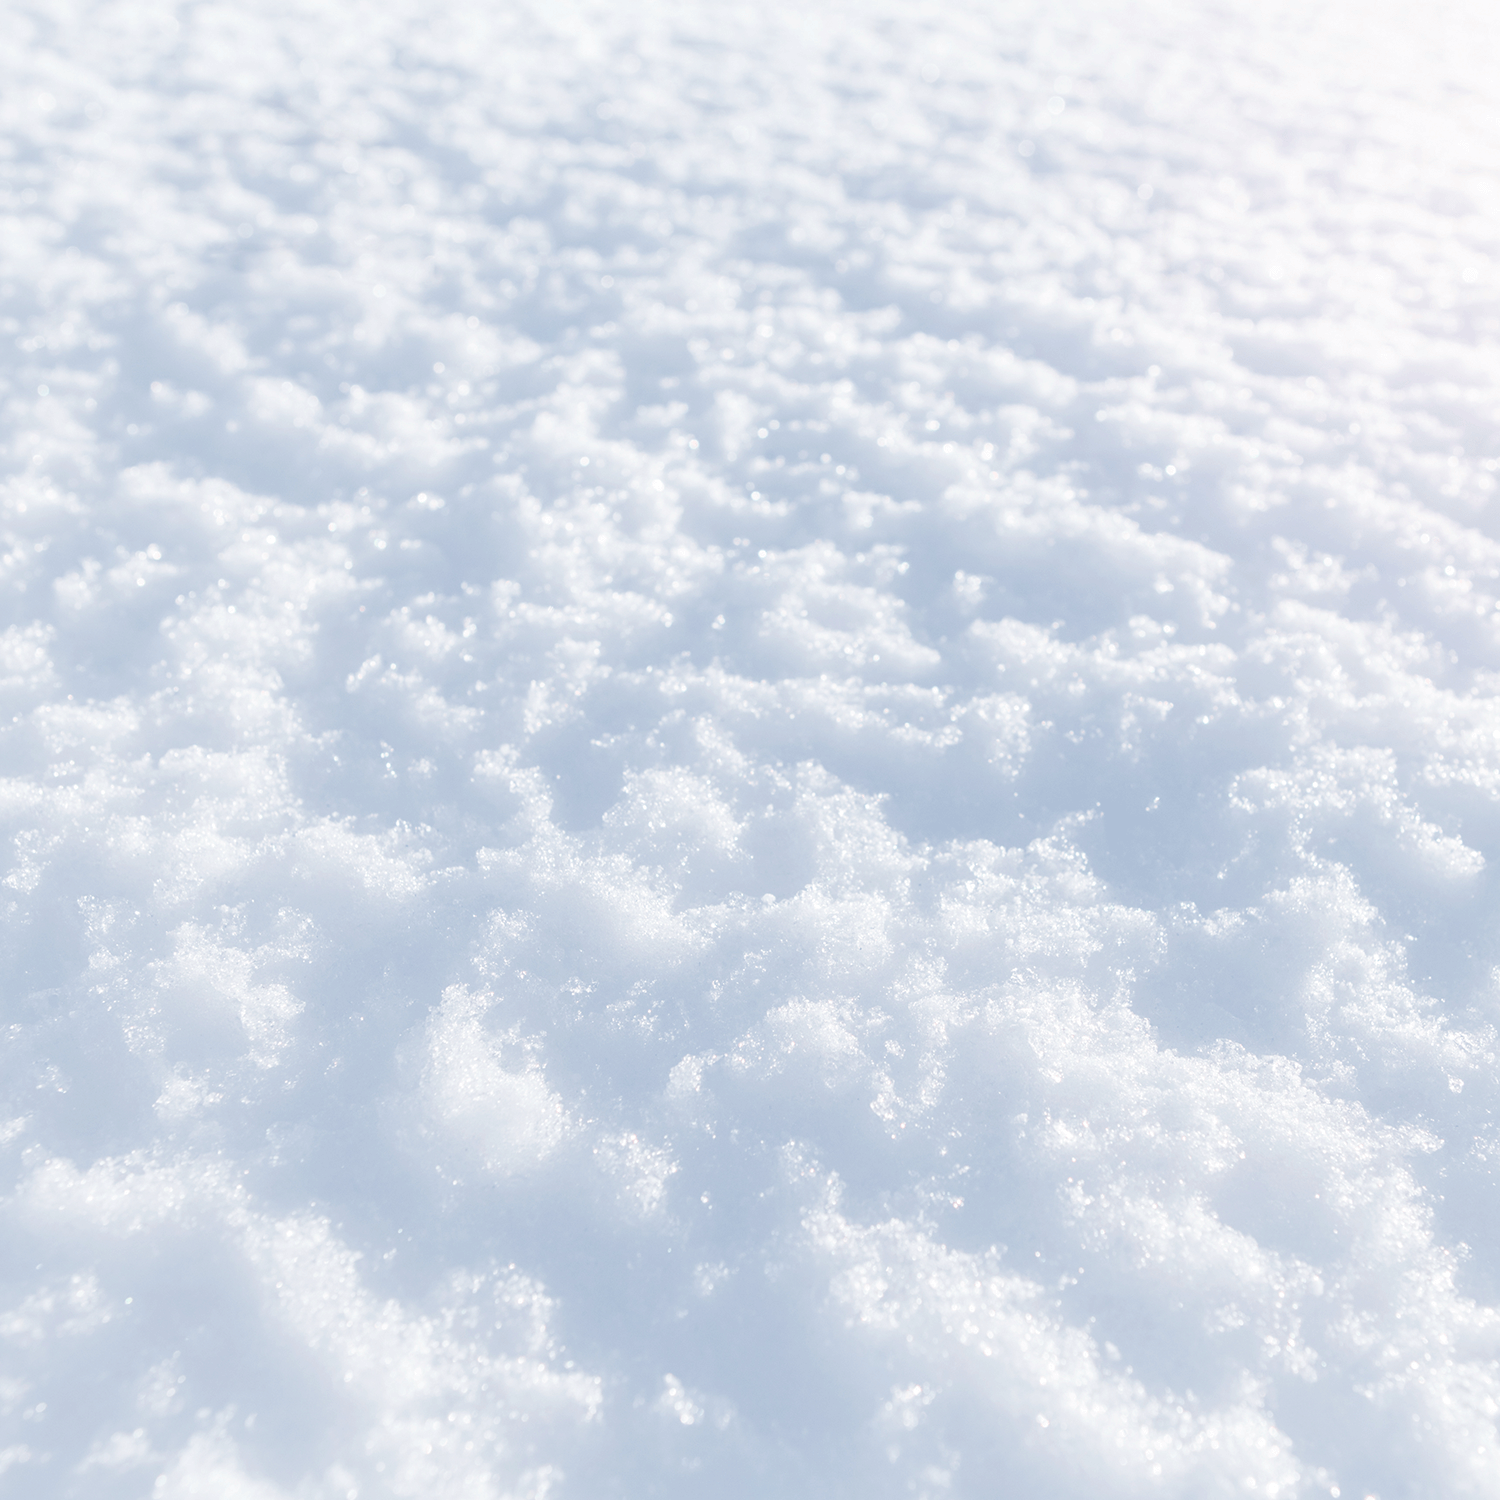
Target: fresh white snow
(749, 750)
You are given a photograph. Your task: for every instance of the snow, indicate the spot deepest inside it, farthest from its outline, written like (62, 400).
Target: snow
(749, 750)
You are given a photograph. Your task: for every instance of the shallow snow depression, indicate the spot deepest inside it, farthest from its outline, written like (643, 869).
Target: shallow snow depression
(749, 751)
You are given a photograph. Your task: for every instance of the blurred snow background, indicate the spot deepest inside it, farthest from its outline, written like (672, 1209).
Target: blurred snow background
(749, 750)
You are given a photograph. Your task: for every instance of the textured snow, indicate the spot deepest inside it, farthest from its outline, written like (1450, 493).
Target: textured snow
(749, 750)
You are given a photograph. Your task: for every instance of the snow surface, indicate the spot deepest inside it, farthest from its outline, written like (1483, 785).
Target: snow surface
(750, 750)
